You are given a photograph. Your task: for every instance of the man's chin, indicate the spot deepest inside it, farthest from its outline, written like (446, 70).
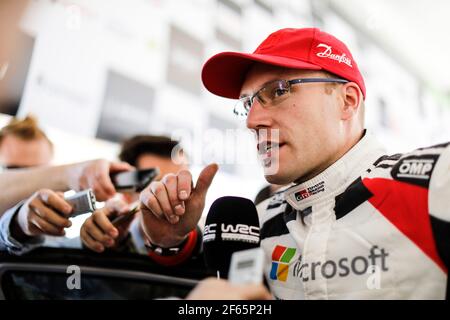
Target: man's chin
(277, 178)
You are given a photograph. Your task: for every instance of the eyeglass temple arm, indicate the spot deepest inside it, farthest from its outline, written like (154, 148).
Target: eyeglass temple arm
(318, 80)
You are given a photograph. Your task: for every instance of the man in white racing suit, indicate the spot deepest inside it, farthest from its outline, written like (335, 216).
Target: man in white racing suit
(370, 226)
(353, 222)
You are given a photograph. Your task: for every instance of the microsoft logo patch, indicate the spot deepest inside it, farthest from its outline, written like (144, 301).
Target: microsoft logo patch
(281, 256)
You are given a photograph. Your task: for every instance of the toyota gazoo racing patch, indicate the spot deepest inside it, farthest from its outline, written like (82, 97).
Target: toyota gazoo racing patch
(307, 192)
(296, 194)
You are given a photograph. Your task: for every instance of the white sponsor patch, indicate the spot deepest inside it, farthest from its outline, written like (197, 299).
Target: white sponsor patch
(328, 53)
(416, 168)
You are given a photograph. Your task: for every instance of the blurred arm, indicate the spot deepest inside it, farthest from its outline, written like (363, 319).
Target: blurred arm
(17, 185)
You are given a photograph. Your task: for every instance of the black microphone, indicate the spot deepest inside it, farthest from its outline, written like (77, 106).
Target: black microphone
(232, 225)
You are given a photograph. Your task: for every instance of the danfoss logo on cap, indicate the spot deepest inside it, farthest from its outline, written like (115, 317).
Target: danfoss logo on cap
(328, 53)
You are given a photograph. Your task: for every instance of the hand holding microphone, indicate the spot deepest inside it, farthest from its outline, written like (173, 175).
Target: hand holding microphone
(231, 242)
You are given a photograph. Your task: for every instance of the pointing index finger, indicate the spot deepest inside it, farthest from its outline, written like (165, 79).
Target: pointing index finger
(184, 184)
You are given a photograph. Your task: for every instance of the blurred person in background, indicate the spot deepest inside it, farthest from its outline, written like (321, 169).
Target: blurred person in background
(24, 145)
(17, 185)
(143, 151)
(355, 223)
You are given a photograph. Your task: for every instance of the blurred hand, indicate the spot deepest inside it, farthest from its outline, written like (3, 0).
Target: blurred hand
(44, 213)
(217, 289)
(172, 207)
(95, 174)
(98, 232)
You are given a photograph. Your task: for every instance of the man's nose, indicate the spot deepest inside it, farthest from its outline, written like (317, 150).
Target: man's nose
(258, 117)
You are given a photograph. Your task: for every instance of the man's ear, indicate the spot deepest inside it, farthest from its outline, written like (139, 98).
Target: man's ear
(352, 98)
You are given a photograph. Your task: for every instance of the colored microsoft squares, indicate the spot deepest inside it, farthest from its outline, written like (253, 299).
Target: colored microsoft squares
(281, 256)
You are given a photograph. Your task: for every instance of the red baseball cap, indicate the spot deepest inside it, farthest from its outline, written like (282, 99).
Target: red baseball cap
(307, 48)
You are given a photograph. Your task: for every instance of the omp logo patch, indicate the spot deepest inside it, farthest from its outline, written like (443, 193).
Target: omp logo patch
(415, 169)
(281, 257)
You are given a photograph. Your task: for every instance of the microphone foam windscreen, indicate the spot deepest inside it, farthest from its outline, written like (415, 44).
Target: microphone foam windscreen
(232, 224)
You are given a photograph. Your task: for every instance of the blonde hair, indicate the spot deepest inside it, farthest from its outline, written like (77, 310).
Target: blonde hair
(26, 129)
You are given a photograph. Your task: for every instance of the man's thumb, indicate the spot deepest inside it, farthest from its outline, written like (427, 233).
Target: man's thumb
(205, 178)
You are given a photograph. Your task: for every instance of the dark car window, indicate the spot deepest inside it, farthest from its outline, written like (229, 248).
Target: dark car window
(51, 285)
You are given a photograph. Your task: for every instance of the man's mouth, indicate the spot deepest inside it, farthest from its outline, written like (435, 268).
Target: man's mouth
(268, 148)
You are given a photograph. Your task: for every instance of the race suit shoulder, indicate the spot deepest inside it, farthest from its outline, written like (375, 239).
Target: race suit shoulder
(371, 226)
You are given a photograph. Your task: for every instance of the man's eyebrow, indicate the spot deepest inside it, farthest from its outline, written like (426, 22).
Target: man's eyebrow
(260, 87)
